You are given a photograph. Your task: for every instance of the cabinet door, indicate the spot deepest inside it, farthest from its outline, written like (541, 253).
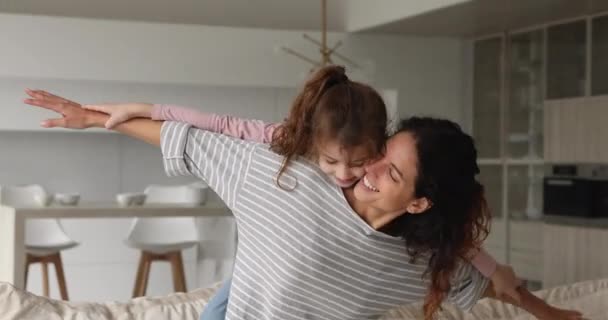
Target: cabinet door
(525, 109)
(526, 245)
(525, 192)
(490, 176)
(572, 254)
(576, 130)
(595, 121)
(599, 56)
(486, 97)
(566, 60)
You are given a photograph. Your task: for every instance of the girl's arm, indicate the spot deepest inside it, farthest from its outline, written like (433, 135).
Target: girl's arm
(536, 306)
(252, 130)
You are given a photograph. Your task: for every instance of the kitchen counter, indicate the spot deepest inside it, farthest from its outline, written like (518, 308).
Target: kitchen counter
(600, 223)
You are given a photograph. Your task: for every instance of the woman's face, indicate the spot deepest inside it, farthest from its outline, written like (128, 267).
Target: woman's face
(389, 183)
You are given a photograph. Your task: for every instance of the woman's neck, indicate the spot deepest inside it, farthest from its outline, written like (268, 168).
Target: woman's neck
(374, 217)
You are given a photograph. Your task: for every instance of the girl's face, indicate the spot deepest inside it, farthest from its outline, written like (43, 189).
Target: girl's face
(344, 166)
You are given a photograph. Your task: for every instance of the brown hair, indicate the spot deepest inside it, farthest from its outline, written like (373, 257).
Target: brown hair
(458, 220)
(330, 106)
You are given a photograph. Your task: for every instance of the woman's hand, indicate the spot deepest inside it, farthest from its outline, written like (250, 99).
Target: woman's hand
(505, 283)
(120, 113)
(73, 116)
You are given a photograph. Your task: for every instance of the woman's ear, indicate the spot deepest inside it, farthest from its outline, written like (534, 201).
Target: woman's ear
(419, 205)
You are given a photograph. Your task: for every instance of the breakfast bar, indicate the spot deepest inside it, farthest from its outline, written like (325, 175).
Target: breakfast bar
(12, 225)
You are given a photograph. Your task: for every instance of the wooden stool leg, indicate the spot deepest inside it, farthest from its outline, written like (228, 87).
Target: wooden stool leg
(28, 261)
(139, 276)
(145, 274)
(63, 290)
(177, 268)
(45, 278)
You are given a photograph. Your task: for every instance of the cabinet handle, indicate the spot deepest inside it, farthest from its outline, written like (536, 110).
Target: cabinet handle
(560, 182)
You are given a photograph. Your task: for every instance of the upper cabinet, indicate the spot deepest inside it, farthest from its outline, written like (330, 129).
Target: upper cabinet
(541, 95)
(566, 60)
(599, 56)
(486, 96)
(524, 113)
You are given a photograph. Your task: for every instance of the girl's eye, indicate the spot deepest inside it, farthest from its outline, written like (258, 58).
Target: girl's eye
(331, 161)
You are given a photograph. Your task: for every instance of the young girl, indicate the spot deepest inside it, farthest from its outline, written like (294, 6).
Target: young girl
(340, 137)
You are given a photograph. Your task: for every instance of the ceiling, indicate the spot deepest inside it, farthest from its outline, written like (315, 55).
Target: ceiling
(481, 17)
(467, 18)
(269, 14)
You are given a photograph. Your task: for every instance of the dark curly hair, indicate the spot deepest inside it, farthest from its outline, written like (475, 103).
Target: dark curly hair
(458, 218)
(330, 106)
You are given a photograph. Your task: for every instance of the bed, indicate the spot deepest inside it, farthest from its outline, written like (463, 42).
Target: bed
(589, 297)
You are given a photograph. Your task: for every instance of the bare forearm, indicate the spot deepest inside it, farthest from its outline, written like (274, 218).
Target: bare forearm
(142, 129)
(529, 302)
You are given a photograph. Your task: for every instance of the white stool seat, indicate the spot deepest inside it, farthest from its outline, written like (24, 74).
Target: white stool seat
(46, 235)
(160, 248)
(40, 234)
(159, 234)
(48, 250)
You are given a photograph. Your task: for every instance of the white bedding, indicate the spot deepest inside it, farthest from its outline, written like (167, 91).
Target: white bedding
(590, 297)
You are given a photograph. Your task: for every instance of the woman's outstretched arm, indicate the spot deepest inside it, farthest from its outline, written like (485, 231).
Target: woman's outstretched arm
(73, 116)
(219, 160)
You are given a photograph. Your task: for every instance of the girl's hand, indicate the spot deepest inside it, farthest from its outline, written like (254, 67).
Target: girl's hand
(120, 113)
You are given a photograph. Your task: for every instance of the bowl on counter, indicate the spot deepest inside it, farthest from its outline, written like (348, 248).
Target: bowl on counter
(130, 199)
(67, 199)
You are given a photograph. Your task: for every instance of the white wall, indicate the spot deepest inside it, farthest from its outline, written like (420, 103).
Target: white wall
(426, 72)
(222, 70)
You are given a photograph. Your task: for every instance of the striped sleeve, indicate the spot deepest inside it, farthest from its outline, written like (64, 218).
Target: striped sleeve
(220, 160)
(468, 286)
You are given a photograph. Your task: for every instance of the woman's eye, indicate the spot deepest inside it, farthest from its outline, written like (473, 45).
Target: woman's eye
(331, 161)
(390, 173)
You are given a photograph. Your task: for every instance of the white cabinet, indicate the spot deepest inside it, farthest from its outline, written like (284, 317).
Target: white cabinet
(550, 253)
(572, 254)
(576, 108)
(576, 130)
(526, 247)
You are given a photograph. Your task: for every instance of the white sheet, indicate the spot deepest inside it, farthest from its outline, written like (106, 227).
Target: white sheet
(590, 297)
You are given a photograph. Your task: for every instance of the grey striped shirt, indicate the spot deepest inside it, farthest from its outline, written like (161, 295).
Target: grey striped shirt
(303, 253)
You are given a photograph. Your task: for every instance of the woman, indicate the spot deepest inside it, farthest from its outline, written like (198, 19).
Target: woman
(313, 251)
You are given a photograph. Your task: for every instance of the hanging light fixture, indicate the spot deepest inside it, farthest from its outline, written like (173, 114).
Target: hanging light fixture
(327, 53)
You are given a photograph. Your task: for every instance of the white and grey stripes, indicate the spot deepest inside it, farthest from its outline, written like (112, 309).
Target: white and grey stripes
(302, 253)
